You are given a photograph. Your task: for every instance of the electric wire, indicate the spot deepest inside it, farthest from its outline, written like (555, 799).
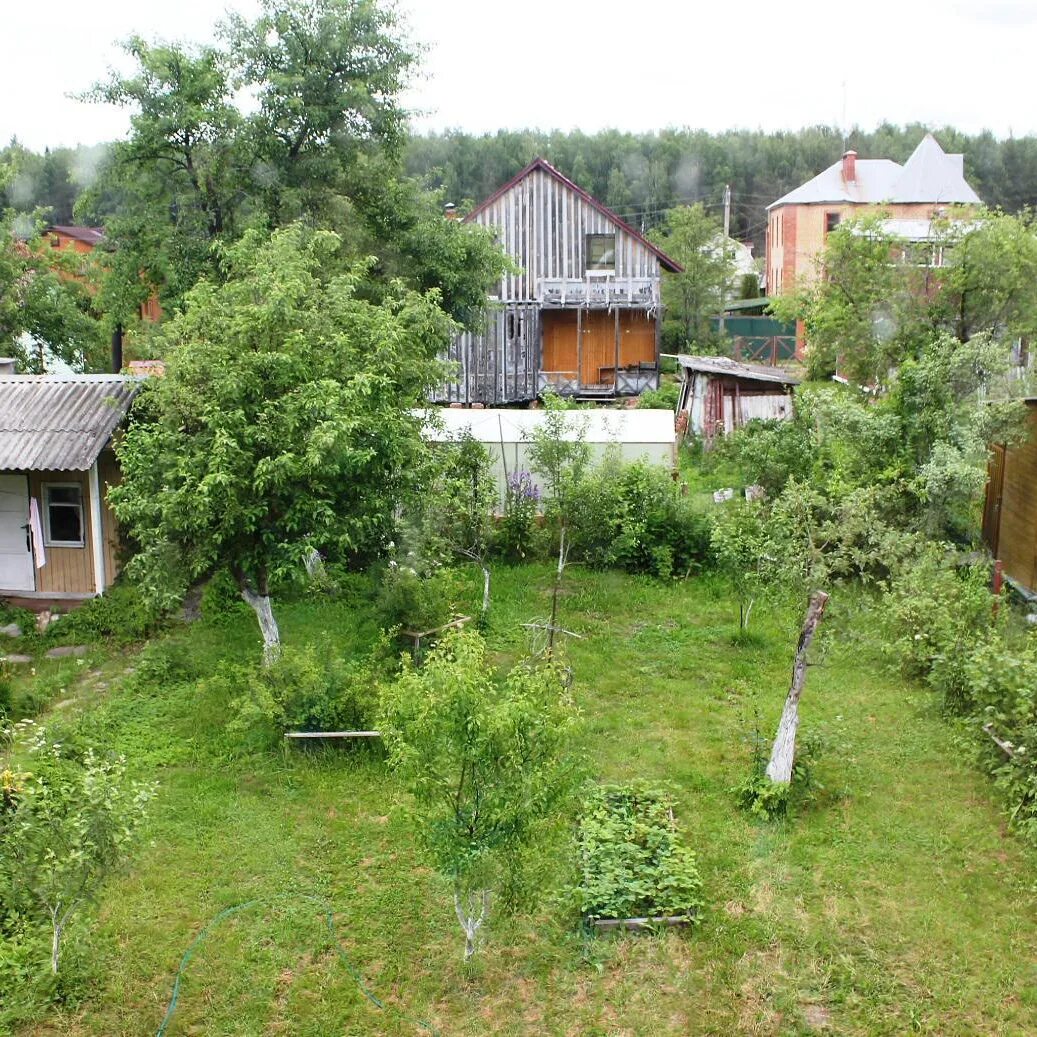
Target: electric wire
(329, 919)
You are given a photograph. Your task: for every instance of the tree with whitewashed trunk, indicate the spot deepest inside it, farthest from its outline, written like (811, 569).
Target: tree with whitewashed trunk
(487, 761)
(66, 824)
(282, 424)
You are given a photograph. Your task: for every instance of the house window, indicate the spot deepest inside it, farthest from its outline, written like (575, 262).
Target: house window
(831, 222)
(63, 515)
(601, 251)
(55, 242)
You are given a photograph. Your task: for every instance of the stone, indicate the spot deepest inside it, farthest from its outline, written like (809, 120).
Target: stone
(44, 620)
(63, 651)
(11, 630)
(17, 659)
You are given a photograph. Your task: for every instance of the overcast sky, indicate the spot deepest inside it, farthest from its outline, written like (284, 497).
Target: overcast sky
(566, 64)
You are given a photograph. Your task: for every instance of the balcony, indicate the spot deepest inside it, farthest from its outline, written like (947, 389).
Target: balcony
(599, 292)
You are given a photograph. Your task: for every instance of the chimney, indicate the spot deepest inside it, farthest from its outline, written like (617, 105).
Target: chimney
(117, 349)
(450, 211)
(850, 167)
(8, 365)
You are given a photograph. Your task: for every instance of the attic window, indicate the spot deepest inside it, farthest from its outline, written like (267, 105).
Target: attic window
(63, 515)
(601, 251)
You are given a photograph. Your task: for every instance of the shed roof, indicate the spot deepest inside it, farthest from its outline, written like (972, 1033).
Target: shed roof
(541, 163)
(600, 425)
(88, 235)
(929, 175)
(726, 366)
(60, 422)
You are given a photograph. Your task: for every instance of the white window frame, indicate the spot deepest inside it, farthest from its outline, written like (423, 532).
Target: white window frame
(600, 270)
(48, 540)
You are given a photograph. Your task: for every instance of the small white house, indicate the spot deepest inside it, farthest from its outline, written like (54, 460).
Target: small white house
(507, 434)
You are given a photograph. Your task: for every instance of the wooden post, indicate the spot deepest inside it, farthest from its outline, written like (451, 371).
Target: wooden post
(784, 749)
(999, 583)
(96, 530)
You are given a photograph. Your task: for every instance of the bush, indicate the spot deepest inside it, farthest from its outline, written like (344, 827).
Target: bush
(303, 690)
(666, 397)
(516, 534)
(634, 517)
(633, 862)
(935, 614)
(120, 616)
(221, 600)
(408, 600)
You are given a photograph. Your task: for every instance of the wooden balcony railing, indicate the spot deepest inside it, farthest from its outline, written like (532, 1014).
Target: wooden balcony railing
(607, 291)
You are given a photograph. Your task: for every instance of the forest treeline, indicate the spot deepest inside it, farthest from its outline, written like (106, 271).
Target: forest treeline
(639, 175)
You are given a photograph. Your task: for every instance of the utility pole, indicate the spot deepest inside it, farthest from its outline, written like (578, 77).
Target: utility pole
(727, 231)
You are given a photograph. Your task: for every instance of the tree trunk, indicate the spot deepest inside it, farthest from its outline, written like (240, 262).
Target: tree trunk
(260, 604)
(485, 593)
(55, 941)
(470, 922)
(784, 750)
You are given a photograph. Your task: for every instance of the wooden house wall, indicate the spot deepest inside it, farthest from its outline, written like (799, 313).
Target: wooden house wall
(543, 224)
(70, 570)
(1016, 540)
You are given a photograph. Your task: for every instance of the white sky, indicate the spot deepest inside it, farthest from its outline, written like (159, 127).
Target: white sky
(649, 64)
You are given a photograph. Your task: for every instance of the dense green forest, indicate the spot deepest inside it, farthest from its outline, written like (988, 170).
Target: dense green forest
(639, 175)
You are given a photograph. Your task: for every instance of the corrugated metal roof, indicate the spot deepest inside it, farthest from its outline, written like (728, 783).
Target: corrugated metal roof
(601, 425)
(929, 175)
(727, 366)
(60, 422)
(88, 235)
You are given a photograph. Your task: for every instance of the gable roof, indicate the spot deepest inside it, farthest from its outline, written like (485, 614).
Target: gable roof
(60, 422)
(542, 164)
(929, 175)
(88, 235)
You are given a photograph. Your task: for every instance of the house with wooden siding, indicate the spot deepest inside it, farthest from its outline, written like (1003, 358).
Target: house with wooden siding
(1010, 509)
(580, 313)
(58, 537)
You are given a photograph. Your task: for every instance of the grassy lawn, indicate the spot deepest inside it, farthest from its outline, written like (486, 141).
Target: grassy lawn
(896, 903)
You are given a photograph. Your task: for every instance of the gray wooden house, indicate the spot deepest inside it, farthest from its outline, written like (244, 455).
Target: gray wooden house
(582, 312)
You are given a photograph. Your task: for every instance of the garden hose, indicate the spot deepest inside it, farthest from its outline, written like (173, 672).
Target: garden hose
(227, 912)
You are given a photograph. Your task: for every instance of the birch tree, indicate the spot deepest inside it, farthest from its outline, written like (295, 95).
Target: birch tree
(282, 424)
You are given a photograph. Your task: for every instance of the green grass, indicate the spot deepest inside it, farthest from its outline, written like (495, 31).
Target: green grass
(896, 903)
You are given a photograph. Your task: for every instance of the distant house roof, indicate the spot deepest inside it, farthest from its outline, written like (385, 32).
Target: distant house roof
(540, 163)
(88, 235)
(732, 368)
(60, 422)
(929, 175)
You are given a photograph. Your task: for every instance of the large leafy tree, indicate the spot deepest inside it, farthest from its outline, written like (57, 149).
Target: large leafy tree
(322, 144)
(282, 424)
(693, 297)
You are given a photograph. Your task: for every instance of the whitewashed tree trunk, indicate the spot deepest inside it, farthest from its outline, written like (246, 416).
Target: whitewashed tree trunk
(485, 592)
(314, 564)
(783, 751)
(471, 922)
(260, 604)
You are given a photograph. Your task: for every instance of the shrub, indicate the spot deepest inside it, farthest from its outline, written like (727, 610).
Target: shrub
(409, 600)
(221, 600)
(516, 534)
(666, 397)
(634, 517)
(633, 862)
(119, 616)
(935, 613)
(303, 690)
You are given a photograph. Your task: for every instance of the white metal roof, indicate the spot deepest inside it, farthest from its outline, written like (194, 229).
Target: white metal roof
(600, 425)
(60, 422)
(929, 175)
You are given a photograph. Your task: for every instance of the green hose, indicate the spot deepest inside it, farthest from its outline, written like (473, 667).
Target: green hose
(237, 909)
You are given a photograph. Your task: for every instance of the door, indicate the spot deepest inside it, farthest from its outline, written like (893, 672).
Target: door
(598, 349)
(16, 568)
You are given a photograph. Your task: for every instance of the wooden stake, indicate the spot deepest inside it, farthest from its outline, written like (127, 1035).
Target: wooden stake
(783, 751)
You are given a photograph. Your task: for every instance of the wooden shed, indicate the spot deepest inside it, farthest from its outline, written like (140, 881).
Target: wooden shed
(581, 311)
(1010, 509)
(58, 537)
(719, 395)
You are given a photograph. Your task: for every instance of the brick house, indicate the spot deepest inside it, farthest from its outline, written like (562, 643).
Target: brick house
(930, 184)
